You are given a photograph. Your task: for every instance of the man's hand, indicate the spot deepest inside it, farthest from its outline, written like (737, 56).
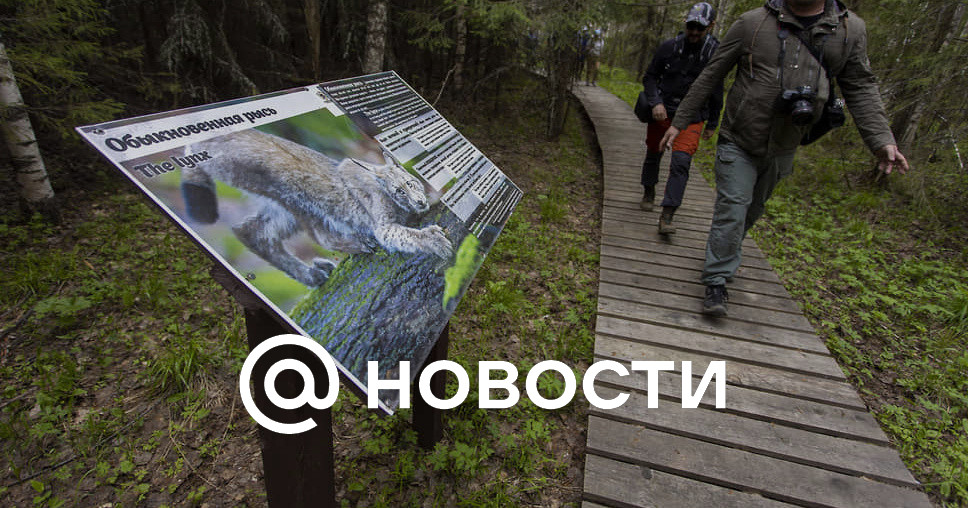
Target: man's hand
(889, 157)
(659, 112)
(668, 138)
(708, 133)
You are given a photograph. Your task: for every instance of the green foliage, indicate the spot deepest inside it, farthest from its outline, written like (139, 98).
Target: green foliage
(553, 207)
(209, 57)
(502, 22)
(62, 309)
(55, 47)
(180, 363)
(890, 305)
(499, 23)
(101, 326)
(465, 265)
(621, 83)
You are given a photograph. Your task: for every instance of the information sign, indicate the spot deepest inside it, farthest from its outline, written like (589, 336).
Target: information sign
(352, 208)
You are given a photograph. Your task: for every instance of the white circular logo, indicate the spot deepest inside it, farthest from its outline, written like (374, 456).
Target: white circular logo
(308, 396)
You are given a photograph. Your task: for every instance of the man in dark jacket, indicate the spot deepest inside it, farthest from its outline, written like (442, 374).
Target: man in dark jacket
(676, 64)
(777, 52)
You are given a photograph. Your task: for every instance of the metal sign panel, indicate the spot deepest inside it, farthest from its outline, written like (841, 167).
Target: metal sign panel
(352, 208)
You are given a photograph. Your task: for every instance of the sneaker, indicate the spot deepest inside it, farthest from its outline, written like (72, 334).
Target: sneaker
(648, 198)
(665, 223)
(715, 302)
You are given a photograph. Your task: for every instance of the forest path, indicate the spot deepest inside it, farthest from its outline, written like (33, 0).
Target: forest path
(794, 432)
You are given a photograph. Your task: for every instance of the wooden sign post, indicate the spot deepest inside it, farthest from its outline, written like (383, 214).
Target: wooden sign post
(428, 420)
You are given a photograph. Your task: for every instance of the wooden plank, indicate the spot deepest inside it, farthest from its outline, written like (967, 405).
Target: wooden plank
(767, 355)
(624, 484)
(692, 288)
(626, 192)
(761, 316)
(694, 264)
(631, 205)
(695, 320)
(667, 269)
(687, 235)
(739, 469)
(769, 407)
(698, 213)
(690, 209)
(645, 222)
(670, 249)
(739, 373)
(763, 438)
(642, 226)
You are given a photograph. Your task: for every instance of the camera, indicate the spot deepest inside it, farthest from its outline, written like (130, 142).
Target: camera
(799, 104)
(833, 112)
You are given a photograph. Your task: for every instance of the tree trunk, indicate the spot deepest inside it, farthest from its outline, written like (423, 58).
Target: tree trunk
(722, 8)
(946, 25)
(460, 48)
(314, 31)
(561, 75)
(376, 36)
(382, 306)
(906, 126)
(35, 190)
(906, 122)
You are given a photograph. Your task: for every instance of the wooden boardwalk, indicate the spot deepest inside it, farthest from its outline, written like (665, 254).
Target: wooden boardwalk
(794, 432)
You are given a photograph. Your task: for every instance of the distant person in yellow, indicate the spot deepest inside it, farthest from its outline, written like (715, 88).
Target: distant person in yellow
(591, 43)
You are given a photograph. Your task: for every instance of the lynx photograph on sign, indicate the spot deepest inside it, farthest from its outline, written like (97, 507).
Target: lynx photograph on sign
(353, 209)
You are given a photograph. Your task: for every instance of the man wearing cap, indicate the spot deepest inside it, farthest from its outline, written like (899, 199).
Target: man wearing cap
(676, 64)
(780, 51)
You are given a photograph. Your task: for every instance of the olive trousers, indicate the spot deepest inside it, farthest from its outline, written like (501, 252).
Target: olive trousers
(743, 185)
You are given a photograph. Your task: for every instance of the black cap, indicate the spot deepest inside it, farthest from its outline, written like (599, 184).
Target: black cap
(701, 13)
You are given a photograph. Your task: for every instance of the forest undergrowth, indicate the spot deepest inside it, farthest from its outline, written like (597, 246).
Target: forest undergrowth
(119, 355)
(878, 266)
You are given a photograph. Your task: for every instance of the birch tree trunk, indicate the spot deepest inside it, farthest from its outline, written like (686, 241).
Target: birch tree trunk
(376, 36)
(35, 190)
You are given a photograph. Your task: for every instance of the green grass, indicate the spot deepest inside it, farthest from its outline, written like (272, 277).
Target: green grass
(120, 362)
(621, 83)
(104, 317)
(890, 306)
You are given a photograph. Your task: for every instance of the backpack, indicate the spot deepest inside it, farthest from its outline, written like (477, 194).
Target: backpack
(709, 46)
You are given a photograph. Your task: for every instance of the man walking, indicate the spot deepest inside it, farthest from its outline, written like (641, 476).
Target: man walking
(676, 64)
(786, 55)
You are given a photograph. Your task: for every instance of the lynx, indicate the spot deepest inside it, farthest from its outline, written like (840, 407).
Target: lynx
(350, 206)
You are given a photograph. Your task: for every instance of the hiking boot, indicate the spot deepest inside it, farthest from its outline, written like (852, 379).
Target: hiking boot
(715, 302)
(665, 222)
(648, 198)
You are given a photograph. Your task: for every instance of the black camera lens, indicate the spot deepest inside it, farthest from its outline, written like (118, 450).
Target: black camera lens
(802, 112)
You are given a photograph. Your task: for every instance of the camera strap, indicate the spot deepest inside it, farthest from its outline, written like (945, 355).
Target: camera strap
(783, 31)
(815, 51)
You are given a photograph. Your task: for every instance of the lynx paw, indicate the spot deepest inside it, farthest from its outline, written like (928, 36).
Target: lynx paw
(436, 242)
(319, 272)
